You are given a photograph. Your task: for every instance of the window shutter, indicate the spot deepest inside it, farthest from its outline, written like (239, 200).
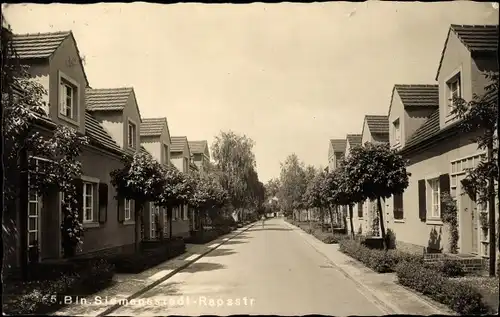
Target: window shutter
(398, 206)
(79, 197)
(146, 219)
(422, 200)
(360, 210)
(103, 202)
(120, 208)
(444, 187)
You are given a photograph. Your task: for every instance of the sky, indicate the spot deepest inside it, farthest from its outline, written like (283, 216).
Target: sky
(290, 76)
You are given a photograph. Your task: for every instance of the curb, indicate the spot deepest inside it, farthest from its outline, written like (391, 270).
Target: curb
(169, 275)
(391, 309)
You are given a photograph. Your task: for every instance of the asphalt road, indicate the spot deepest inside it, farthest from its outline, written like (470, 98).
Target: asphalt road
(269, 270)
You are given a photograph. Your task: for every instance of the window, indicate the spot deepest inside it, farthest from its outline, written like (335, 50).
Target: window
(131, 135)
(67, 104)
(435, 198)
(454, 90)
(88, 202)
(396, 131)
(398, 206)
(165, 222)
(155, 213)
(128, 208)
(33, 218)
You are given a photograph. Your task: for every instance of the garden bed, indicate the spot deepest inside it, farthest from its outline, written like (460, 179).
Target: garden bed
(202, 237)
(151, 254)
(315, 229)
(51, 283)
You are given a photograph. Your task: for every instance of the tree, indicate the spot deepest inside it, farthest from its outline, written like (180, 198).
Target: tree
(293, 184)
(141, 179)
(272, 187)
(313, 197)
(234, 158)
(40, 163)
(481, 114)
(376, 172)
(177, 191)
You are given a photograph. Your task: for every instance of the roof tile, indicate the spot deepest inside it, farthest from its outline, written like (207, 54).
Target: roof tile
(38, 45)
(418, 95)
(378, 124)
(354, 139)
(153, 126)
(177, 143)
(107, 99)
(338, 145)
(98, 134)
(198, 147)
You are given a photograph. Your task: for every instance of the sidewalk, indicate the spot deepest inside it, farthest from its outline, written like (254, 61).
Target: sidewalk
(129, 286)
(395, 298)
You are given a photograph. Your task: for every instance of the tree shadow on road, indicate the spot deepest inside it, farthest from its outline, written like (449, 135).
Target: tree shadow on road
(220, 252)
(270, 229)
(234, 242)
(202, 266)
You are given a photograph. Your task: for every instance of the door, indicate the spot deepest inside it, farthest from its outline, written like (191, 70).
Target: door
(34, 241)
(475, 228)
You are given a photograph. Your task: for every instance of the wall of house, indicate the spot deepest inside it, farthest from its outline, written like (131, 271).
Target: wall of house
(40, 73)
(412, 233)
(131, 112)
(482, 63)
(112, 121)
(112, 233)
(153, 146)
(397, 112)
(366, 136)
(456, 58)
(414, 119)
(178, 162)
(66, 59)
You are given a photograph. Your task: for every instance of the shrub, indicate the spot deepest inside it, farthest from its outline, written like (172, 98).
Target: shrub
(150, 255)
(448, 267)
(459, 296)
(202, 237)
(332, 239)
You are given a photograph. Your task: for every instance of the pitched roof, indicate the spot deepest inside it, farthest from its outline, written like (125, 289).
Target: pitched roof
(42, 45)
(476, 38)
(354, 139)
(198, 147)
(428, 129)
(338, 145)
(143, 150)
(38, 45)
(98, 134)
(378, 124)
(418, 95)
(107, 99)
(153, 126)
(177, 143)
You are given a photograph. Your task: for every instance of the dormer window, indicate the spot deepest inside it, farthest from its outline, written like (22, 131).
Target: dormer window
(453, 91)
(68, 96)
(131, 136)
(396, 131)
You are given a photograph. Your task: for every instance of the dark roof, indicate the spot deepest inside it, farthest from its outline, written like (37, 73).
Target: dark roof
(38, 45)
(477, 38)
(418, 95)
(378, 124)
(177, 143)
(153, 126)
(426, 130)
(354, 139)
(198, 147)
(338, 145)
(107, 99)
(98, 134)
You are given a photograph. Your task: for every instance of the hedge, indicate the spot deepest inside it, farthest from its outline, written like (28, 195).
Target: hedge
(202, 237)
(51, 283)
(458, 295)
(151, 254)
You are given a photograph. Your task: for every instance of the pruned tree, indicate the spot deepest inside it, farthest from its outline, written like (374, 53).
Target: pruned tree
(141, 179)
(293, 185)
(481, 114)
(377, 172)
(177, 191)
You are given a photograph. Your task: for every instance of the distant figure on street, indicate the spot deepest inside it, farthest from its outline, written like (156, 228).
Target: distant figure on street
(263, 219)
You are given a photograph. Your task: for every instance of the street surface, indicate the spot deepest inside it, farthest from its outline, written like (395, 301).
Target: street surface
(262, 271)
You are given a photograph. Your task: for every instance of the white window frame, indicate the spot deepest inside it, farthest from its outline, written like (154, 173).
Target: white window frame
(396, 126)
(67, 82)
(91, 207)
(165, 221)
(154, 211)
(36, 216)
(127, 209)
(454, 78)
(131, 123)
(434, 206)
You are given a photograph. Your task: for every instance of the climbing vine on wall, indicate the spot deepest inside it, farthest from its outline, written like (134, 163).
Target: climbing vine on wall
(450, 217)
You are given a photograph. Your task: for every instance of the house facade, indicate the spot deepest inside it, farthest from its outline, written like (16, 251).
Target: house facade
(54, 61)
(353, 141)
(336, 152)
(201, 154)
(438, 151)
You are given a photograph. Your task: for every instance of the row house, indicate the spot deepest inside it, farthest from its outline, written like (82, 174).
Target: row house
(438, 151)
(422, 128)
(201, 154)
(111, 119)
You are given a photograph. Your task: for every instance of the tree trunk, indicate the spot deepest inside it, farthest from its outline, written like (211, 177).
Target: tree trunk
(139, 225)
(23, 211)
(310, 221)
(330, 211)
(351, 221)
(169, 219)
(491, 212)
(381, 222)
